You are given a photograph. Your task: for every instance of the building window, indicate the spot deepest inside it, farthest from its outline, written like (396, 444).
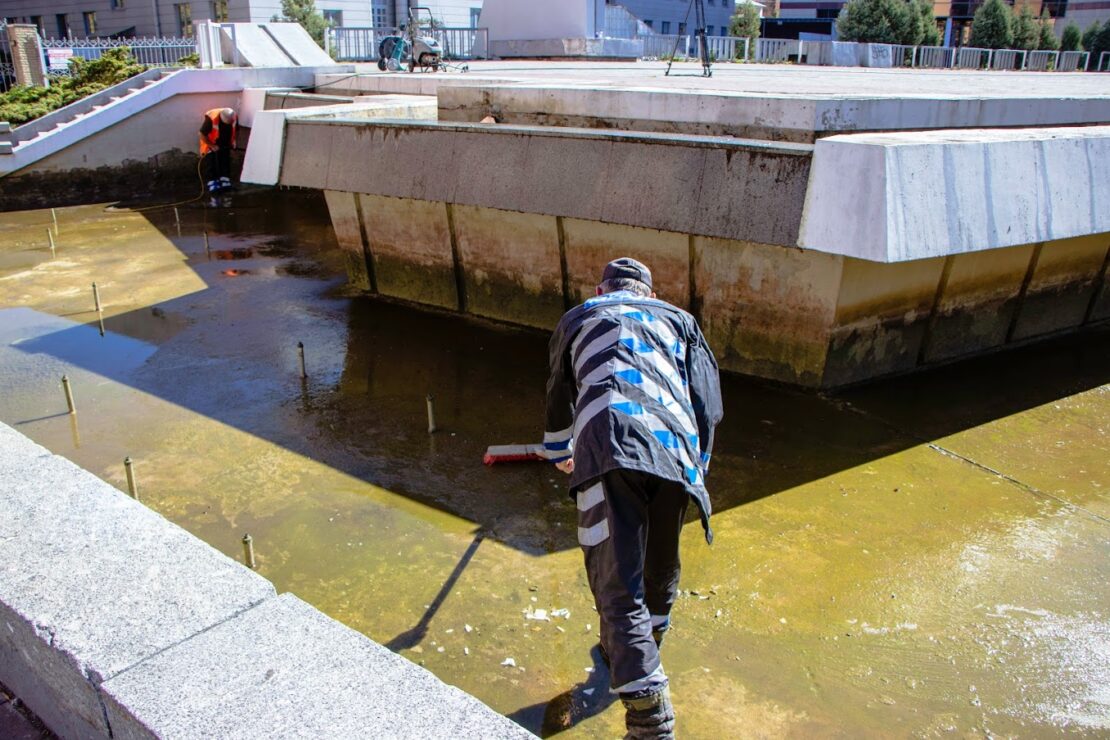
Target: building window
(37, 20)
(650, 24)
(681, 29)
(117, 4)
(90, 22)
(827, 13)
(333, 18)
(184, 19)
(475, 16)
(381, 13)
(665, 27)
(709, 30)
(63, 25)
(219, 11)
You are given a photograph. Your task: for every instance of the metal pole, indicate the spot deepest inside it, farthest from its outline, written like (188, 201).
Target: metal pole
(69, 395)
(431, 414)
(132, 487)
(300, 354)
(207, 250)
(54, 215)
(248, 551)
(177, 220)
(96, 297)
(50, 236)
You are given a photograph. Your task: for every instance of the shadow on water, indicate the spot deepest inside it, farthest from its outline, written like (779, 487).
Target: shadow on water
(229, 353)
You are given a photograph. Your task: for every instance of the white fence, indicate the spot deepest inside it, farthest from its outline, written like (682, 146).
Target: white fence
(361, 44)
(935, 57)
(1072, 61)
(778, 50)
(153, 52)
(721, 48)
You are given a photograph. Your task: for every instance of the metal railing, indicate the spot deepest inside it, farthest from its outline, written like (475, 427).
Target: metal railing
(7, 69)
(1072, 61)
(151, 51)
(1041, 61)
(970, 57)
(778, 50)
(935, 57)
(1007, 59)
(660, 46)
(351, 44)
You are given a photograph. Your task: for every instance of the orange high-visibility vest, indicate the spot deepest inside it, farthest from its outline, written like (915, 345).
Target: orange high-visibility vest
(207, 143)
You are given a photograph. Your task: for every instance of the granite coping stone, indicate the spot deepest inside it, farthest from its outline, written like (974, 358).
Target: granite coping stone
(115, 622)
(93, 582)
(284, 670)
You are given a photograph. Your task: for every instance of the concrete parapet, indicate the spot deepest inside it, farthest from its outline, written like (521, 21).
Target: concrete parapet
(911, 195)
(114, 622)
(757, 115)
(709, 186)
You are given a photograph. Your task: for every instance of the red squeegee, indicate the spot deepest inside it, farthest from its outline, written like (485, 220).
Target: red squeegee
(513, 453)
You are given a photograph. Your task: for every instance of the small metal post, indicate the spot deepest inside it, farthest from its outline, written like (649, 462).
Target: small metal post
(69, 395)
(54, 215)
(132, 487)
(207, 249)
(300, 354)
(99, 309)
(177, 220)
(248, 551)
(431, 414)
(50, 236)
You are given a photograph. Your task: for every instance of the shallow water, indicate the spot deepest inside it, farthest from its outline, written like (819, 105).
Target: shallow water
(920, 556)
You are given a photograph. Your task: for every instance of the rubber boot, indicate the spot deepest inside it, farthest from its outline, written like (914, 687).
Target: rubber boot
(649, 715)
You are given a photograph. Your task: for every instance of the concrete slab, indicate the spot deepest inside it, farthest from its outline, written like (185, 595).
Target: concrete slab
(92, 582)
(251, 46)
(712, 186)
(297, 44)
(283, 670)
(265, 152)
(911, 195)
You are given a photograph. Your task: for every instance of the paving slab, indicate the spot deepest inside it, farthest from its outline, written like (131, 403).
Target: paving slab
(284, 669)
(92, 582)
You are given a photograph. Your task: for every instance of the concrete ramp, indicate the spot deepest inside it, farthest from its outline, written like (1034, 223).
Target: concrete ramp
(297, 44)
(248, 44)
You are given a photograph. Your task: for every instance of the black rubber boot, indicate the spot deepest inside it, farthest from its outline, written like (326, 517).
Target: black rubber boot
(649, 715)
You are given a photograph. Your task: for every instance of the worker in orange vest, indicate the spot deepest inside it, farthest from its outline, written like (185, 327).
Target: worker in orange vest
(217, 139)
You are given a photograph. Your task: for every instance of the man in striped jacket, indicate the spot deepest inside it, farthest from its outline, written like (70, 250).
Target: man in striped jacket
(632, 402)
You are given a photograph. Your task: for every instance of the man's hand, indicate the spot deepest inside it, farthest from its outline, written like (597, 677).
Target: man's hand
(567, 466)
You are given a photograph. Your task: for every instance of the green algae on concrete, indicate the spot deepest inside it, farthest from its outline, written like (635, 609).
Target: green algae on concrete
(916, 557)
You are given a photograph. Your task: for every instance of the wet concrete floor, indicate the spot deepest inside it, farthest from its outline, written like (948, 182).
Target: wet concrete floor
(923, 556)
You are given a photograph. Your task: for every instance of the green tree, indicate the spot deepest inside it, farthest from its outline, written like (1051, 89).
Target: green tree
(1047, 39)
(879, 22)
(1100, 43)
(990, 28)
(1071, 40)
(305, 13)
(1025, 29)
(1090, 34)
(929, 34)
(745, 22)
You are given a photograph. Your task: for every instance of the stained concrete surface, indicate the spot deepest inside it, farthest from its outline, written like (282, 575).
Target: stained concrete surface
(916, 557)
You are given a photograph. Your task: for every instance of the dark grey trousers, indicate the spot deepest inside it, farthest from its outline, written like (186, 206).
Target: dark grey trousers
(628, 525)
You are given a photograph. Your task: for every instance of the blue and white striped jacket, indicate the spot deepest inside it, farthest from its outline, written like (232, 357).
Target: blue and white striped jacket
(635, 386)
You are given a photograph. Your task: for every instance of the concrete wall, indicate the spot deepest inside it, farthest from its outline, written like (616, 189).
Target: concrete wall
(698, 185)
(118, 623)
(798, 316)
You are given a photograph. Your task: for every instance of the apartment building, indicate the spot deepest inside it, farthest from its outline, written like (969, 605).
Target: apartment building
(676, 16)
(79, 18)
